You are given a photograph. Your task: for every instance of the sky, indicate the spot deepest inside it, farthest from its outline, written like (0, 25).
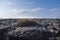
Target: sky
(29, 8)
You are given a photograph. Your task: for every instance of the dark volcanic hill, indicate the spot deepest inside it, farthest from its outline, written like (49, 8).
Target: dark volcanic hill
(29, 29)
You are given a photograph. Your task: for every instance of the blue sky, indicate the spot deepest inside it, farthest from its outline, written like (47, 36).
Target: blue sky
(29, 8)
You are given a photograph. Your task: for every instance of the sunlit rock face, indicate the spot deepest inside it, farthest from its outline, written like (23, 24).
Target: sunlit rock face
(44, 30)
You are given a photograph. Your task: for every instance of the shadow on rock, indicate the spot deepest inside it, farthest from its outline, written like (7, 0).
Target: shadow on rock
(18, 38)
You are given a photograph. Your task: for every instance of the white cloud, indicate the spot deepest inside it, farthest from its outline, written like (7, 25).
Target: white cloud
(34, 10)
(11, 3)
(38, 9)
(19, 12)
(53, 9)
(24, 11)
(30, 2)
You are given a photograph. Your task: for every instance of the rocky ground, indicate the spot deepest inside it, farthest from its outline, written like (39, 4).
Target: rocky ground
(46, 29)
